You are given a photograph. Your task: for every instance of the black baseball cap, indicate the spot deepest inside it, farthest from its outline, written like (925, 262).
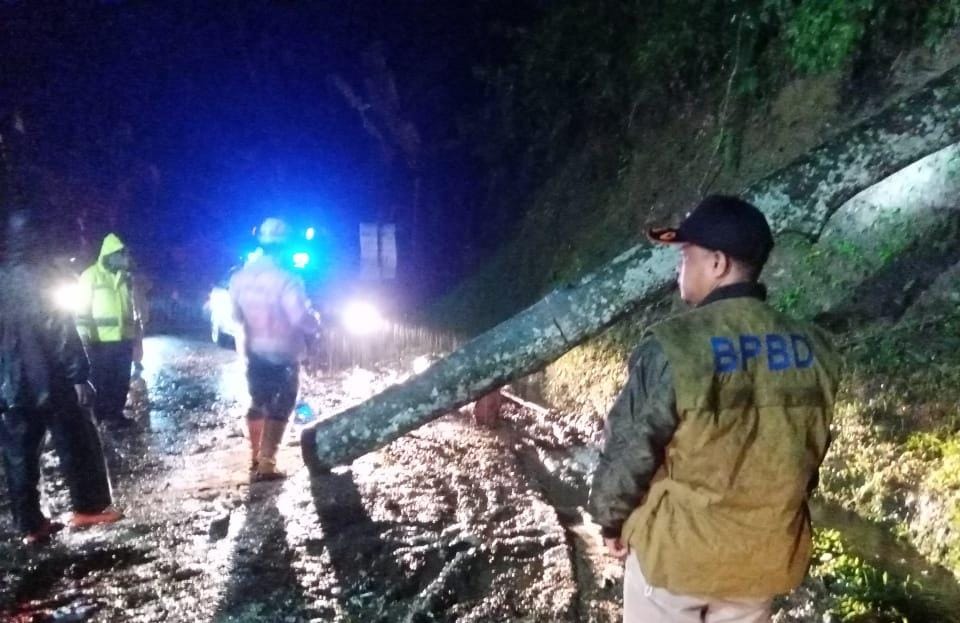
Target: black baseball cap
(722, 223)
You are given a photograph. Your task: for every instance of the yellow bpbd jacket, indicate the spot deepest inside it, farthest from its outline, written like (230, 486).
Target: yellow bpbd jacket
(726, 515)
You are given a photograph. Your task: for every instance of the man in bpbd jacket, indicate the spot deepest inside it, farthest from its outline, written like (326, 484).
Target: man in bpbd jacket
(44, 388)
(712, 448)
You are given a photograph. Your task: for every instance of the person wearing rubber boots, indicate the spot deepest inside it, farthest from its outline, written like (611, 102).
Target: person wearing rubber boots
(270, 303)
(44, 388)
(712, 448)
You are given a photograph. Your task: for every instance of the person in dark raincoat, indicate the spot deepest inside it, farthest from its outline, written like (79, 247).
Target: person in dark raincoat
(44, 387)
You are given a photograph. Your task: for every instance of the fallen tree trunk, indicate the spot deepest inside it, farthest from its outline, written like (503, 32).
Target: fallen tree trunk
(527, 342)
(801, 197)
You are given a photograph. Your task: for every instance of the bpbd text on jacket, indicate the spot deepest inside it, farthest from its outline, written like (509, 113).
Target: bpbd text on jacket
(782, 351)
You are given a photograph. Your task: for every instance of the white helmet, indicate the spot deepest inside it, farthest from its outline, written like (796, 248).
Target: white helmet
(273, 231)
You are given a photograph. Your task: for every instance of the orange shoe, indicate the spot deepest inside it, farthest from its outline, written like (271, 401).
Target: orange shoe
(43, 533)
(85, 520)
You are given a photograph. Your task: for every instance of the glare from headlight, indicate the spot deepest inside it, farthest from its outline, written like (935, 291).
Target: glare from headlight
(420, 364)
(66, 296)
(362, 318)
(221, 307)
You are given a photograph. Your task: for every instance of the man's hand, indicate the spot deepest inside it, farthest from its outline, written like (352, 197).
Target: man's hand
(85, 394)
(616, 548)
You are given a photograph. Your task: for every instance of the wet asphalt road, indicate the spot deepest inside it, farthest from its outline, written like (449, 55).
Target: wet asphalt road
(452, 523)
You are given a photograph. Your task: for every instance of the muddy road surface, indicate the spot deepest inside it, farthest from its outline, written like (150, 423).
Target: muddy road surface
(455, 522)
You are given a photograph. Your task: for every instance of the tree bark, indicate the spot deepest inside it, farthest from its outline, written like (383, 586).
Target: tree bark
(801, 197)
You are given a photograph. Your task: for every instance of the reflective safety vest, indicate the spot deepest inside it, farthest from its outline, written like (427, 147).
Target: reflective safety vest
(106, 309)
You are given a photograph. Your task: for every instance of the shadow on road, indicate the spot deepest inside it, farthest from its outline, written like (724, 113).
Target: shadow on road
(361, 560)
(262, 583)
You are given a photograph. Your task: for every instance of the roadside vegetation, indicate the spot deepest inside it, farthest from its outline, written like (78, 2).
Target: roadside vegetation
(896, 458)
(618, 114)
(859, 592)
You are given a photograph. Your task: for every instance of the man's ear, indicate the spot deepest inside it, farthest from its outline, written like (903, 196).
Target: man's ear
(722, 265)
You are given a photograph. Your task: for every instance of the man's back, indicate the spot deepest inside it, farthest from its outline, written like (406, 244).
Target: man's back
(754, 392)
(273, 308)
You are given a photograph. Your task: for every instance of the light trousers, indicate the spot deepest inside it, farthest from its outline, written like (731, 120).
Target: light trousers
(643, 603)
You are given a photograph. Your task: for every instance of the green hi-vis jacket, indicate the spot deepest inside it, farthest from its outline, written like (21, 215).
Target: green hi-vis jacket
(106, 311)
(713, 446)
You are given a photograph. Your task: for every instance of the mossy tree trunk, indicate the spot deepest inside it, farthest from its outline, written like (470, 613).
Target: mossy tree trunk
(800, 197)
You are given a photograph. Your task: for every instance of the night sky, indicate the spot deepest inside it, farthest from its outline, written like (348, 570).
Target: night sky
(182, 124)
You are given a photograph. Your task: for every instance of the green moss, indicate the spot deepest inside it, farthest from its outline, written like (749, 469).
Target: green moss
(947, 475)
(860, 591)
(927, 446)
(820, 276)
(896, 455)
(943, 16)
(890, 359)
(821, 35)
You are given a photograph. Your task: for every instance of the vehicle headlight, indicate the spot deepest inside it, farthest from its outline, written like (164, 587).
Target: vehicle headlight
(66, 296)
(220, 304)
(362, 318)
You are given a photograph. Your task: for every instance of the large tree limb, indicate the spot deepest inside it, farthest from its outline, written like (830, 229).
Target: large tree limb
(800, 197)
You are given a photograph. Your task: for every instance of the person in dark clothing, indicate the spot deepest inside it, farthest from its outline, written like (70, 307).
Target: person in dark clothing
(44, 387)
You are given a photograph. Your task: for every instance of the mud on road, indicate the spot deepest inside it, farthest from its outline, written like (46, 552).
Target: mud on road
(454, 522)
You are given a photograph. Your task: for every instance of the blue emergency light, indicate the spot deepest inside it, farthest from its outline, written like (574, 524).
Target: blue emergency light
(256, 253)
(301, 259)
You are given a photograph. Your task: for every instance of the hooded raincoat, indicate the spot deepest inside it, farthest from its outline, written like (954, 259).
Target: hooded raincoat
(106, 309)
